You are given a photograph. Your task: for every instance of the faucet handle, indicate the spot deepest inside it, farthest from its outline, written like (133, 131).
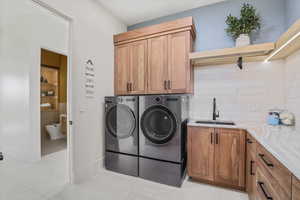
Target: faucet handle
(218, 114)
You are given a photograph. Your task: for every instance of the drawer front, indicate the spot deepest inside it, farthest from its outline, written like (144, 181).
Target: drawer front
(251, 145)
(267, 187)
(282, 177)
(296, 189)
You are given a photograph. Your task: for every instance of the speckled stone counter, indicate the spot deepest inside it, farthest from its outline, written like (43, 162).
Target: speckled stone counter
(283, 142)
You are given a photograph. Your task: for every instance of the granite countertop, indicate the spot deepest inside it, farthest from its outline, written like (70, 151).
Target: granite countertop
(281, 141)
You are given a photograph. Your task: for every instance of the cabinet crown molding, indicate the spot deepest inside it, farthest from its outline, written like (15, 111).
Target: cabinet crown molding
(178, 25)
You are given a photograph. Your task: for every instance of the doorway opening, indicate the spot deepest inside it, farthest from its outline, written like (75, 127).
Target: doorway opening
(53, 108)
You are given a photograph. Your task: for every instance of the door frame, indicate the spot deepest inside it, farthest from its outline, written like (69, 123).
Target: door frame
(70, 113)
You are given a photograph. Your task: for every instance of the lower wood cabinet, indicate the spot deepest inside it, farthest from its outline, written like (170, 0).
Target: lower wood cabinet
(201, 153)
(266, 177)
(230, 157)
(251, 167)
(264, 188)
(279, 178)
(217, 156)
(296, 189)
(251, 176)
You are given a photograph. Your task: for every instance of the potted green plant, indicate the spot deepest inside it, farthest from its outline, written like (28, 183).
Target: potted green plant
(241, 28)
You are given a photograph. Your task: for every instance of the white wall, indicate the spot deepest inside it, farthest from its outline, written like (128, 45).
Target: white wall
(292, 67)
(24, 29)
(243, 96)
(21, 30)
(93, 32)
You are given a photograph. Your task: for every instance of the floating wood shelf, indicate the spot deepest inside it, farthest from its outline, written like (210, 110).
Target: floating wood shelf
(251, 53)
(48, 85)
(288, 43)
(285, 46)
(49, 97)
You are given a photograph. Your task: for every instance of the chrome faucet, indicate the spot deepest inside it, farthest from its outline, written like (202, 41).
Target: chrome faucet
(215, 114)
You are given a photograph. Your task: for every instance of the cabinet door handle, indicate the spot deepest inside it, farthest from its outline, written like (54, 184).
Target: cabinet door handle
(217, 138)
(261, 185)
(262, 156)
(169, 85)
(249, 141)
(165, 85)
(128, 87)
(251, 168)
(211, 138)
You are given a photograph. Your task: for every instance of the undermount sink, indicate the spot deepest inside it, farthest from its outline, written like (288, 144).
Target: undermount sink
(216, 122)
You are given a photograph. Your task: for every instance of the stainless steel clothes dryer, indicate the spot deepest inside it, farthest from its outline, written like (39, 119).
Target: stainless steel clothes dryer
(121, 134)
(162, 140)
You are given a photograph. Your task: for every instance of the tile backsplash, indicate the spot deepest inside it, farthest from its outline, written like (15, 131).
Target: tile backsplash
(244, 96)
(292, 79)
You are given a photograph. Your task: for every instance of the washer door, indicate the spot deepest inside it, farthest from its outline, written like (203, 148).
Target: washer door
(120, 121)
(158, 124)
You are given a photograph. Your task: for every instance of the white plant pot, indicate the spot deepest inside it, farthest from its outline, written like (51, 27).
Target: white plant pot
(242, 40)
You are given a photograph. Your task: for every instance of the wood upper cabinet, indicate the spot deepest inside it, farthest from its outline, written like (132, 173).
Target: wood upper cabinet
(122, 69)
(201, 153)
(296, 189)
(217, 156)
(156, 59)
(169, 69)
(157, 65)
(179, 65)
(230, 157)
(131, 65)
(138, 67)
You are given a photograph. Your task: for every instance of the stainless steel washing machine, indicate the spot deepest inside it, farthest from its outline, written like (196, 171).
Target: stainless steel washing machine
(162, 140)
(121, 134)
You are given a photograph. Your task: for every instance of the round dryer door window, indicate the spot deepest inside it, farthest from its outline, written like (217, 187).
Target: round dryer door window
(120, 121)
(158, 124)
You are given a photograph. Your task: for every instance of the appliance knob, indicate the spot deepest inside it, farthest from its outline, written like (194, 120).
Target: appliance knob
(157, 99)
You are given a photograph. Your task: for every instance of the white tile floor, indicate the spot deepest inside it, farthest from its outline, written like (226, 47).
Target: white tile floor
(46, 180)
(38, 181)
(111, 186)
(52, 146)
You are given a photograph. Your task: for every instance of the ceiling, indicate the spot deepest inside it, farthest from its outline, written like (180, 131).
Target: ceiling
(135, 11)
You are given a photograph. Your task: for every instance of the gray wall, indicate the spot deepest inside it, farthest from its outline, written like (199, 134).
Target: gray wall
(210, 22)
(292, 12)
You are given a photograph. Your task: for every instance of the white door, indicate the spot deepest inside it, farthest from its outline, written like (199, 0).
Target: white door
(25, 28)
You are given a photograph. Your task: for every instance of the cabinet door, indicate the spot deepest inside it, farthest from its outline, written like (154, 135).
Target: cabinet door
(179, 64)
(201, 153)
(138, 67)
(230, 157)
(251, 145)
(296, 189)
(157, 65)
(122, 69)
(250, 176)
